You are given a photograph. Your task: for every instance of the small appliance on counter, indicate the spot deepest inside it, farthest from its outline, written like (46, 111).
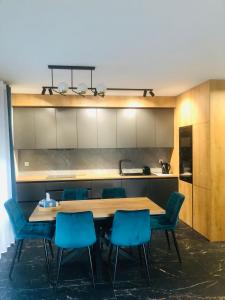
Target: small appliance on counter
(165, 167)
(146, 170)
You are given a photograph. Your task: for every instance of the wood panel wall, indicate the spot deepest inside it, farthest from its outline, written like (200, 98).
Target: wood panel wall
(36, 100)
(204, 108)
(217, 148)
(192, 108)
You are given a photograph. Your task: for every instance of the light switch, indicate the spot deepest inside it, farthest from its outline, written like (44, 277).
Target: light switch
(26, 164)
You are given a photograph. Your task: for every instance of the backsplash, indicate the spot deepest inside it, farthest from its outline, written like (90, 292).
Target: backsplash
(80, 159)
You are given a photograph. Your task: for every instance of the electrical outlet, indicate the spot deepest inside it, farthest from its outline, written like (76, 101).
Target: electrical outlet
(26, 164)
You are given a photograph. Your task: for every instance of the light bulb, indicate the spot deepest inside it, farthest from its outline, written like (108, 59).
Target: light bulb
(63, 87)
(82, 88)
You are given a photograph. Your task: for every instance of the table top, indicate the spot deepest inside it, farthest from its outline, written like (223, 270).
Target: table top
(101, 208)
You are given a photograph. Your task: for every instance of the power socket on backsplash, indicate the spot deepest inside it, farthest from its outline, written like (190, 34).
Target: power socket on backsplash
(26, 164)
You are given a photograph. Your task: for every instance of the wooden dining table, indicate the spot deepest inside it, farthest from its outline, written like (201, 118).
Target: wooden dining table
(101, 208)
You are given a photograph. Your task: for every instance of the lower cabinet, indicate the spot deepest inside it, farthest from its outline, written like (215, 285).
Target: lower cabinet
(99, 185)
(157, 189)
(161, 188)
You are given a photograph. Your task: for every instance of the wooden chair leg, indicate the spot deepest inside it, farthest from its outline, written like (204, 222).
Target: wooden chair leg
(176, 245)
(92, 272)
(14, 259)
(115, 266)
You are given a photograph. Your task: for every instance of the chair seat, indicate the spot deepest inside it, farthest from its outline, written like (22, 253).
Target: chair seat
(37, 230)
(160, 222)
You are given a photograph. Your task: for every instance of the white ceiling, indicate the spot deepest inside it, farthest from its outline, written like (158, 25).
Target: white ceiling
(166, 45)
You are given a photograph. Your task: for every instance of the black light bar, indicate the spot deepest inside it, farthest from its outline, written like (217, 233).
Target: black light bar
(61, 67)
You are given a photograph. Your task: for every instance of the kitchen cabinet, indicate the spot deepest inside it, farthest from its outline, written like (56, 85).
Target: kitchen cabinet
(56, 188)
(157, 189)
(145, 128)
(87, 128)
(161, 189)
(126, 128)
(106, 124)
(45, 128)
(30, 192)
(66, 128)
(24, 129)
(99, 185)
(69, 128)
(164, 128)
(137, 187)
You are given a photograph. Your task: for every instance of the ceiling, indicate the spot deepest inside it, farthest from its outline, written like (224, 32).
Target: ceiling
(166, 45)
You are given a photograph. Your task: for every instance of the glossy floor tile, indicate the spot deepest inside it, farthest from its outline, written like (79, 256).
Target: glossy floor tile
(200, 276)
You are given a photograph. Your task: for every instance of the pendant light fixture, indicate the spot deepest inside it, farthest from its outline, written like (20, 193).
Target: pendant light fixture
(82, 89)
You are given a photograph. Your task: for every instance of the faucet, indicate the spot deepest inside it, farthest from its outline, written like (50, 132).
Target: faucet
(120, 165)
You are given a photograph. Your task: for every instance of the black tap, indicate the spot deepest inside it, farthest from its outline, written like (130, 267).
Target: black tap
(120, 164)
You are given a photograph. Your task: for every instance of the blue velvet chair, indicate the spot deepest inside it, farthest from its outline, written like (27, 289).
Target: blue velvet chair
(168, 222)
(75, 194)
(131, 229)
(74, 231)
(24, 230)
(117, 192)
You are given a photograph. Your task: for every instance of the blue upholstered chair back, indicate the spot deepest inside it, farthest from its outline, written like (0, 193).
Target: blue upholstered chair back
(118, 192)
(75, 230)
(173, 207)
(75, 194)
(131, 228)
(16, 216)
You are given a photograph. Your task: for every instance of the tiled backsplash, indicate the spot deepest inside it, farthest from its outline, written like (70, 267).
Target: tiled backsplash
(80, 159)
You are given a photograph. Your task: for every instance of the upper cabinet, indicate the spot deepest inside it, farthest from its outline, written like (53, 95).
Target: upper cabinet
(45, 128)
(70, 128)
(23, 121)
(126, 128)
(145, 128)
(66, 128)
(106, 124)
(87, 128)
(164, 127)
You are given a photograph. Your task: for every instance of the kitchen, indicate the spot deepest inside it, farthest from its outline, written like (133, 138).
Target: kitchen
(120, 141)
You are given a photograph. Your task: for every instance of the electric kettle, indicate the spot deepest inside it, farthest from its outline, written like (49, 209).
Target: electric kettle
(165, 167)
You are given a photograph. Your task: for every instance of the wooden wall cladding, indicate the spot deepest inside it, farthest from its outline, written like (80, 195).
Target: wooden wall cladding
(36, 100)
(186, 210)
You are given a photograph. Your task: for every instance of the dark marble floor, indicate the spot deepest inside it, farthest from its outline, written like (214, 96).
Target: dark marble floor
(201, 275)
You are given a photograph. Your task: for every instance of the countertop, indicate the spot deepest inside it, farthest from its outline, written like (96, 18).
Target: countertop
(42, 177)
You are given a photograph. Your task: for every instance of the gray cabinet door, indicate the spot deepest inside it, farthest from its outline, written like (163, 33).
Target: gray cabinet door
(126, 128)
(106, 123)
(87, 128)
(145, 128)
(99, 185)
(45, 128)
(23, 121)
(161, 189)
(164, 126)
(66, 128)
(137, 187)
